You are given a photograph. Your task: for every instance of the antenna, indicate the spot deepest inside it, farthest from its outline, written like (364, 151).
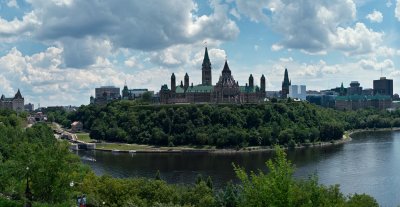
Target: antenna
(381, 72)
(205, 43)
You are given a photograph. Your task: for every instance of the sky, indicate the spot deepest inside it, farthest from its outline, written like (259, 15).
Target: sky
(57, 51)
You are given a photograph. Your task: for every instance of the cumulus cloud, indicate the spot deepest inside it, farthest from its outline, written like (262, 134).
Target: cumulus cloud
(139, 25)
(17, 27)
(13, 3)
(373, 64)
(314, 27)
(306, 25)
(42, 78)
(253, 9)
(130, 62)
(375, 16)
(318, 70)
(357, 40)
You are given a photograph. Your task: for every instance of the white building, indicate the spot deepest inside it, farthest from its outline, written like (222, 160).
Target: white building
(297, 92)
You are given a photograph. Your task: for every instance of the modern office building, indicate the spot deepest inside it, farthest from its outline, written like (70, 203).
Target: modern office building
(105, 94)
(383, 86)
(297, 92)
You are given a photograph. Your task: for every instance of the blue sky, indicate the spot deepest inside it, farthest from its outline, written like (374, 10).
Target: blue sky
(58, 51)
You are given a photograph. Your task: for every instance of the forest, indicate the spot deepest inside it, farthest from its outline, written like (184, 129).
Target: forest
(285, 123)
(32, 157)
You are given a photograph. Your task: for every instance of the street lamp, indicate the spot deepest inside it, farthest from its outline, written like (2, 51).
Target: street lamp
(28, 194)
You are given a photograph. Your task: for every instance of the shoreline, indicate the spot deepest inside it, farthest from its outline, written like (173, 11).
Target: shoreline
(184, 149)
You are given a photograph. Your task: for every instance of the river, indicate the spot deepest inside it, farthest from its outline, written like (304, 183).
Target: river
(370, 163)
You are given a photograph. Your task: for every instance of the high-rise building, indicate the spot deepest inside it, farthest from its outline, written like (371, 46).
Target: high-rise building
(111, 92)
(297, 92)
(105, 94)
(383, 86)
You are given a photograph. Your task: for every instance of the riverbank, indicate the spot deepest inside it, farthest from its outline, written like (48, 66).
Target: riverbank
(137, 148)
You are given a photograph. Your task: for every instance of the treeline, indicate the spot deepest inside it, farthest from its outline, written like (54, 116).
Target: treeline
(283, 123)
(33, 155)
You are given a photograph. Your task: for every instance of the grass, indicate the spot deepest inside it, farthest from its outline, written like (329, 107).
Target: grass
(117, 146)
(122, 146)
(84, 137)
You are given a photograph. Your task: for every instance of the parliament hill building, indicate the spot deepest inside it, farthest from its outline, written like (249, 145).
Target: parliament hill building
(226, 90)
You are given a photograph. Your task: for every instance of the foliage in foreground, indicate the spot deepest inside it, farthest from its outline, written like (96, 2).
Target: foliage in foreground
(278, 188)
(53, 167)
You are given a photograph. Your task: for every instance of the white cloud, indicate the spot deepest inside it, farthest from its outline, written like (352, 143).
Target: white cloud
(385, 51)
(304, 25)
(289, 59)
(253, 10)
(131, 62)
(42, 79)
(12, 3)
(397, 10)
(315, 27)
(77, 24)
(17, 27)
(373, 64)
(235, 13)
(375, 16)
(276, 47)
(357, 40)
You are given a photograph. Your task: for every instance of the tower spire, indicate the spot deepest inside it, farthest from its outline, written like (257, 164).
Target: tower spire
(206, 69)
(285, 84)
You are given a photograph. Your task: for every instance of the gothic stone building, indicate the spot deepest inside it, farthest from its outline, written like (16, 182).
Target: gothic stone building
(16, 103)
(227, 90)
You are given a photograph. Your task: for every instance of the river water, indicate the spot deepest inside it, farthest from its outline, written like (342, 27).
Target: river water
(370, 163)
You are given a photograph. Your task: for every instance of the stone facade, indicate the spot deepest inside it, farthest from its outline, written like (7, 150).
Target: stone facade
(16, 103)
(354, 102)
(227, 90)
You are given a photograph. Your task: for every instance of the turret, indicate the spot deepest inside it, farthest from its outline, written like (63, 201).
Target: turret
(251, 81)
(206, 69)
(342, 93)
(18, 95)
(173, 83)
(226, 70)
(186, 85)
(262, 83)
(125, 92)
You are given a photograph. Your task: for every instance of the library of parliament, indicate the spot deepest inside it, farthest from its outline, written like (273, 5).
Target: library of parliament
(227, 90)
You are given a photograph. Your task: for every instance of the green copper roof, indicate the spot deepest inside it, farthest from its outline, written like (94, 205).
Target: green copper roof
(362, 97)
(179, 89)
(200, 89)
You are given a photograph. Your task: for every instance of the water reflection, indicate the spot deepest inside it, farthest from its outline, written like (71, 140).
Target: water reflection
(370, 163)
